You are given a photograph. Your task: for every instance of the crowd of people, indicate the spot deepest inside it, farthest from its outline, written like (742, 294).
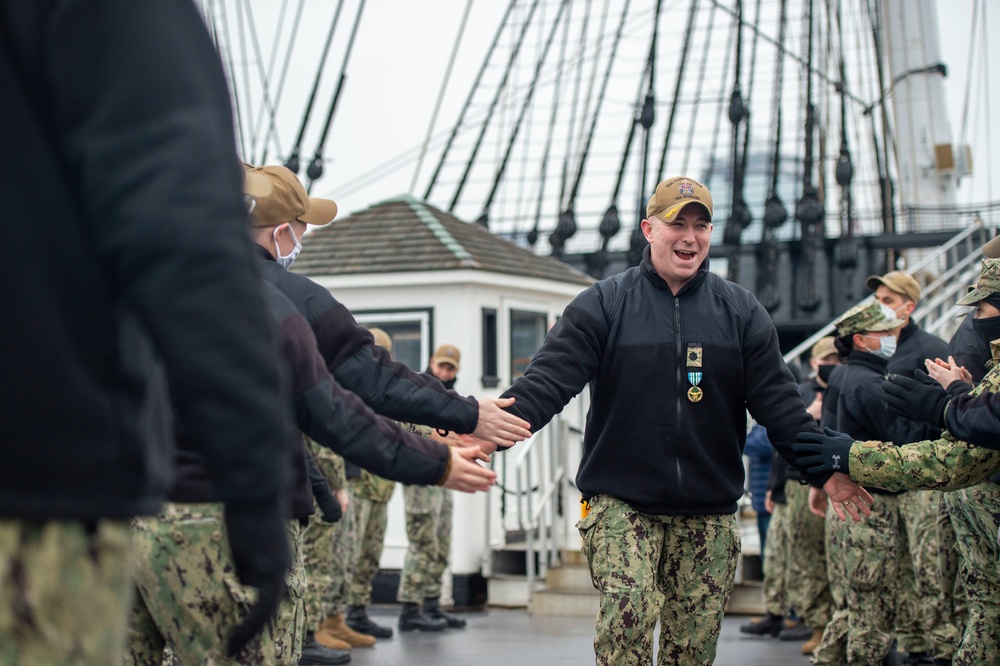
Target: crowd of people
(920, 575)
(199, 444)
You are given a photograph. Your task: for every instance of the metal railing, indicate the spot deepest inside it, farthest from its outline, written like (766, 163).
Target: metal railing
(954, 266)
(540, 480)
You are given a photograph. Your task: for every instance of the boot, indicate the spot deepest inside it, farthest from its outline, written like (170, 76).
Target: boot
(314, 654)
(335, 627)
(413, 619)
(433, 611)
(358, 620)
(326, 639)
(813, 642)
(769, 625)
(797, 632)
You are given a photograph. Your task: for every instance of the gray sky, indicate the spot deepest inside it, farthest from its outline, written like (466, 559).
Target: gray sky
(400, 57)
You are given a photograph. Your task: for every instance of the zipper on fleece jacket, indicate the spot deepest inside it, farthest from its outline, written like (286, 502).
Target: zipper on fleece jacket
(680, 390)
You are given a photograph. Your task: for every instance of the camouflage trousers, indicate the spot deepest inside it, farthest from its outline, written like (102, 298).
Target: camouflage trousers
(675, 569)
(188, 595)
(64, 591)
(327, 550)
(808, 586)
(921, 623)
(863, 556)
(952, 607)
(776, 562)
(290, 626)
(975, 514)
(370, 517)
(428, 529)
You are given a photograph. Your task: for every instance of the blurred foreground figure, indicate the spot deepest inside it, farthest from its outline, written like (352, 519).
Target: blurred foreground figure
(117, 159)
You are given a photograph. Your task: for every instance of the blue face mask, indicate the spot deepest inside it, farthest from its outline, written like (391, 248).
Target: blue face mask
(888, 347)
(286, 260)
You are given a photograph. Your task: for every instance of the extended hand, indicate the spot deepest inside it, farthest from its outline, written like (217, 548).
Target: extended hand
(829, 451)
(847, 496)
(485, 448)
(914, 400)
(466, 475)
(498, 427)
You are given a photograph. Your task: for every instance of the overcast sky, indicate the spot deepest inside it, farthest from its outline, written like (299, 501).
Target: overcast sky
(399, 60)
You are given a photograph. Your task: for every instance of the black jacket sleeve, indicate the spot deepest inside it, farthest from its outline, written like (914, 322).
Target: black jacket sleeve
(975, 419)
(359, 365)
(137, 99)
(339, 420)
(772, 396)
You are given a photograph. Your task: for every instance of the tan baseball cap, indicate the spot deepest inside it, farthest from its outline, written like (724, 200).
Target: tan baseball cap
(992, 249)
(899, 282)
(448, 354)
(382, 338)
(673, 194)
(288, 200)
(823, 348)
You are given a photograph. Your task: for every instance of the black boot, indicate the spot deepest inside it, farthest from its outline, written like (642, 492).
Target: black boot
(925, 658)
(433, 611)
(314, 654)
(413, 619)
(769, 625)
(797, 632)
(358, 620)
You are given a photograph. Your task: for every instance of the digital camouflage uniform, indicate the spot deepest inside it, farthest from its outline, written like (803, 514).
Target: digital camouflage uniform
(808, 585)
(189, 598)
(675, 569)
(428, 529)
(921, 624)
(951, 607)
(948, 464)
(72, 588)
(776, 563)
(370, 497)
(290, 624)
(864, 555)
(327, 548)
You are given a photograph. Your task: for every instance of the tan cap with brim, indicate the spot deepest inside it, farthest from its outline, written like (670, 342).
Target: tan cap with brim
(987, 285)
(992, 249)
(674, 194)
(897, 281)
(288, 200)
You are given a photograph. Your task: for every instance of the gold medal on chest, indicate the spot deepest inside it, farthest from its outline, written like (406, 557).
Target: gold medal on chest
(695, 394)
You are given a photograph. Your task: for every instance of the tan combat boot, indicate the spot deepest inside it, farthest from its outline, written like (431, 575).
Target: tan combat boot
(812, 643)
(335, 627)
(328, 640)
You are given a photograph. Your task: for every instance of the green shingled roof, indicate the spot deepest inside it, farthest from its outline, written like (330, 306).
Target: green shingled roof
(404, 234)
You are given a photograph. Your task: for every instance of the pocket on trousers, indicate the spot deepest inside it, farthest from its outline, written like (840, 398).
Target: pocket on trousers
(866, 569)
(589, 533)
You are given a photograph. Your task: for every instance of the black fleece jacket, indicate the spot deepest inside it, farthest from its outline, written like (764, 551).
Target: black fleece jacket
(646, 443)
(359, 365)
(127, 266)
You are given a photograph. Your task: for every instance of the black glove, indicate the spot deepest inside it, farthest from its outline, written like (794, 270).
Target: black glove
(830, 452)
(915, 400)
(258, 539)
(329, 507)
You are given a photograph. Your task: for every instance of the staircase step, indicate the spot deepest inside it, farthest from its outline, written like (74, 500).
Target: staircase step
(507, 591)
(563, 603)
(570, 578)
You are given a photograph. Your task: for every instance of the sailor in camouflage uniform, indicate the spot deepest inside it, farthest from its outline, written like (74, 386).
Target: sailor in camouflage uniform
(958, 461)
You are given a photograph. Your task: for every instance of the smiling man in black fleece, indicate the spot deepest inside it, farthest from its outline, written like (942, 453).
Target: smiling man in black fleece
(675, 356)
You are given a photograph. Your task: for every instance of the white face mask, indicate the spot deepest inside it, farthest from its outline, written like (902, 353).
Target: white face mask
(286, 260)
(888, 347)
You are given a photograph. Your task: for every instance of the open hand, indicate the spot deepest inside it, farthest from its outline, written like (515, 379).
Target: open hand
(498, 427)
(466, 475)
(847, 497)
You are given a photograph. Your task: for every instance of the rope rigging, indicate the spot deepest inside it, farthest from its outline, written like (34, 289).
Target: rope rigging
(739, 216)
(489, 115)
(681, 69)
(846, 251)
(526, 104)
(809, 209)
(293, 34)
(292, 163)
(315, 169)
